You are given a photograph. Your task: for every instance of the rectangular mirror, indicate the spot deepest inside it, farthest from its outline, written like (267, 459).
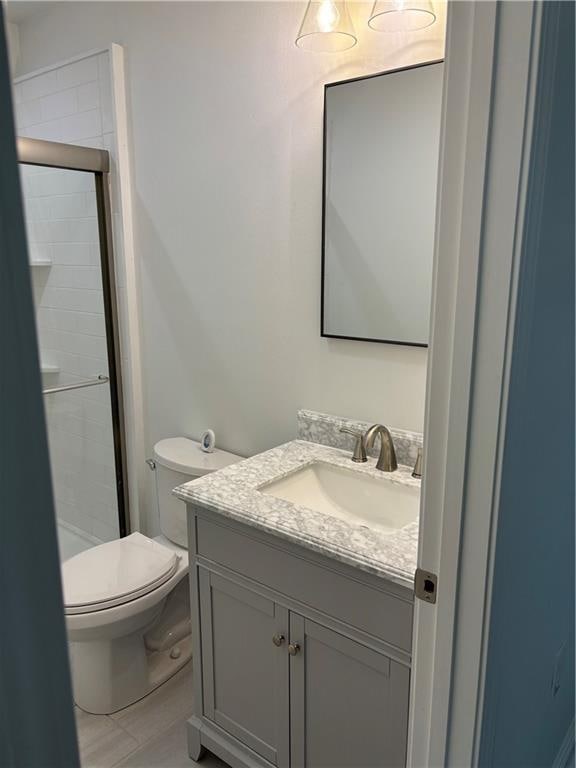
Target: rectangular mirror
(381, 144)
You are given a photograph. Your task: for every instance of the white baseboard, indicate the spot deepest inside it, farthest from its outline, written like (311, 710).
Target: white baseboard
(566, 748)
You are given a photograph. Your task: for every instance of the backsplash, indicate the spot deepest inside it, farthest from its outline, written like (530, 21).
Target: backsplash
(325, 429)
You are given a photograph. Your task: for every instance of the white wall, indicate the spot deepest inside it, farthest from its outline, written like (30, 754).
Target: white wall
(226, 118)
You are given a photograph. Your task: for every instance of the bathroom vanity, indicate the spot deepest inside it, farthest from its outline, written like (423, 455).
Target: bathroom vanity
(302, 620)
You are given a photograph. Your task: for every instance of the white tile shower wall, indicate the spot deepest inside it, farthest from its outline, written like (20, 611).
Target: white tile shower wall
(72, 104)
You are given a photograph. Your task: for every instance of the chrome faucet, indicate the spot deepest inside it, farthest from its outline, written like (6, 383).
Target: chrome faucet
(387, 459)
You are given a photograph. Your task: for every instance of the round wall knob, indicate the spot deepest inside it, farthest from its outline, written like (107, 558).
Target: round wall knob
(293, 649)
(278, 640)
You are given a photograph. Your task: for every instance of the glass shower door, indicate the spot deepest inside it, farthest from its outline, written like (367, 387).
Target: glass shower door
(73, 298)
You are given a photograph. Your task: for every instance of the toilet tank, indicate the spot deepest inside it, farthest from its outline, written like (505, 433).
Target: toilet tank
(179, 460)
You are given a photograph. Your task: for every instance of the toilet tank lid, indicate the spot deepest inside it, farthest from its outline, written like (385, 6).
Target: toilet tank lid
(184, 455)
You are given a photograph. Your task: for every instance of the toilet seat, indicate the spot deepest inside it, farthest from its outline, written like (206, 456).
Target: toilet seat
(116, 573)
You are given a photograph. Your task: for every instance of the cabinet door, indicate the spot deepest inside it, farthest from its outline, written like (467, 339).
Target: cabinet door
(244, 672)
(348, 703)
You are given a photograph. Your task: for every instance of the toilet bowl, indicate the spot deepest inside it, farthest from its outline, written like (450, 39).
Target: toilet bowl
(127, 602)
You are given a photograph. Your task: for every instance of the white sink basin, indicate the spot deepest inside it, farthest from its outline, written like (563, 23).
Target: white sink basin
(348, 495)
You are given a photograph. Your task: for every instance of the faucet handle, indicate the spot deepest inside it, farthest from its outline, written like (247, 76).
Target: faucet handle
(359, 454)
(417, 471)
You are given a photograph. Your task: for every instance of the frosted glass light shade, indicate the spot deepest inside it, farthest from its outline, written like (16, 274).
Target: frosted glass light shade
(326, 27)
(401, 15)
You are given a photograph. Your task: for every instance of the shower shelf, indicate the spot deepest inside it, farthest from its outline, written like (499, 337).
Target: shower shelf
(49, 368)
(41, 263)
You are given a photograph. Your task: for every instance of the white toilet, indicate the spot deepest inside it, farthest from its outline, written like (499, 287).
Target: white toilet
(126, 601)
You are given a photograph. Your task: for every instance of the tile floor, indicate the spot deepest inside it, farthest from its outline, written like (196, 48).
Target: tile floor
(149, 734)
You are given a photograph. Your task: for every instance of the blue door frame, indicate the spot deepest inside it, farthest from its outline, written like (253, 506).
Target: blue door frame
(37, 728)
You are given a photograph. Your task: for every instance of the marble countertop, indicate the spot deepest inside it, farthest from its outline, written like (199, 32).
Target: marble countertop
(233, 492)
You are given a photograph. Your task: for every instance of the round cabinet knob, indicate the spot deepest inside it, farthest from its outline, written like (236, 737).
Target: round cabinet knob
(278, 640)
(293, 649)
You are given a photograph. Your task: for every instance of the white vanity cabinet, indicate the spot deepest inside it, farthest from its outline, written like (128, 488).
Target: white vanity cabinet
(299, 660)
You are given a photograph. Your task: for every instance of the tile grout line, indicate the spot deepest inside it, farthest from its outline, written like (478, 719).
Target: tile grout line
(141, 744)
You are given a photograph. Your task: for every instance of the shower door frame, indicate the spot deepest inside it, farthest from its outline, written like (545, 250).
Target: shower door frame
(51, 154)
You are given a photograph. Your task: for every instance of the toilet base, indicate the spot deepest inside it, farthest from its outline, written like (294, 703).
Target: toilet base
(111, 670)
(107, 679)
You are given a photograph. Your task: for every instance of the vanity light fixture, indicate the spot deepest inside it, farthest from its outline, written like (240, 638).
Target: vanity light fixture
(326, 27)
(401, 15)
